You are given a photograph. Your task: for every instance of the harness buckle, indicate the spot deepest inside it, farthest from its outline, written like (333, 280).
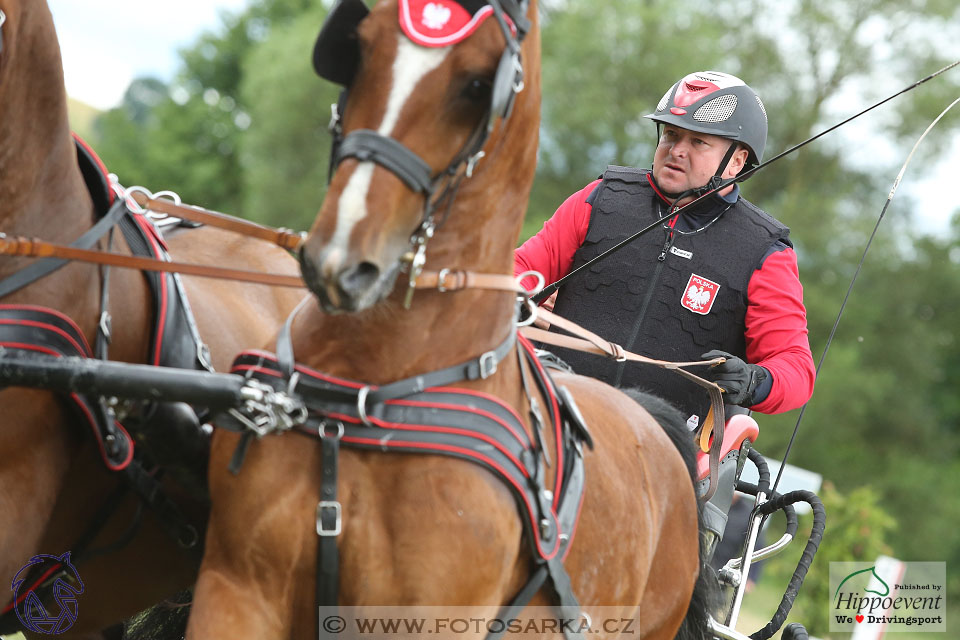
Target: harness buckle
(324, 506)
(488, 364)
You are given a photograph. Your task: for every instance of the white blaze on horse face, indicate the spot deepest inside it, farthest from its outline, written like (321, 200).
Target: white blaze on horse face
(411, 64)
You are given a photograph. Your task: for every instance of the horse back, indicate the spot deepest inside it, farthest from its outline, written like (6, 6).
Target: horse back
(234, 316)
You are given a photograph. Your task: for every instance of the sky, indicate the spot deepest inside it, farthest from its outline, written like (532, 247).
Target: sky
(107, 43)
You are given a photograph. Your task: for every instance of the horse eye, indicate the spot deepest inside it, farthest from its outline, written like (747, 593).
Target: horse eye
(477, 90)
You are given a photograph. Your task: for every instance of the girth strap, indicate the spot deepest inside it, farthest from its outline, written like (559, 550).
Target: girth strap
(328, 525)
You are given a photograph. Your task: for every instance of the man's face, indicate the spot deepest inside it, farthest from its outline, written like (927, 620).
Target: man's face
(686, 159)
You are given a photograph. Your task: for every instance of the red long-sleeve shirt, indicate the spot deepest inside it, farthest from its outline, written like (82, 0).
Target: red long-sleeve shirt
(776, 320)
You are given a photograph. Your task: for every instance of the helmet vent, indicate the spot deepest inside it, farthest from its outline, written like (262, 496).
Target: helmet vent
(717, 110)
(666, 97)
(759, 102)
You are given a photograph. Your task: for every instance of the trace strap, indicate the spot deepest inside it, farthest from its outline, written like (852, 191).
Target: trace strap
(34, 248)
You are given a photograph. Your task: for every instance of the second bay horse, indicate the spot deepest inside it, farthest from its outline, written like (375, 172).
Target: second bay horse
(431, 530)
(53, 483)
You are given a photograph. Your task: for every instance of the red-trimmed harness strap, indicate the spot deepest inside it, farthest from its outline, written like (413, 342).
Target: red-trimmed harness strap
(425, 415)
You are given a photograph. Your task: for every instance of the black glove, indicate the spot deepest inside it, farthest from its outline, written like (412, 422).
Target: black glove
(738, 379)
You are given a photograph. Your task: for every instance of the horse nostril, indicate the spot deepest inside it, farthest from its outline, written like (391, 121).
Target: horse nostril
(357, 279)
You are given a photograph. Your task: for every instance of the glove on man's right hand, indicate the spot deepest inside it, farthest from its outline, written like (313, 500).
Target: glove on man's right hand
(737, 378)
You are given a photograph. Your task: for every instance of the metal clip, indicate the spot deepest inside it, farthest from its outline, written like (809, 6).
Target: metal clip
(418, 260)
(267, 410)
(518, 83)
(105, 326)
(441, 279)
(203, 356)
(472, 162)
(488, 364)
(334, 125)
(337, 513)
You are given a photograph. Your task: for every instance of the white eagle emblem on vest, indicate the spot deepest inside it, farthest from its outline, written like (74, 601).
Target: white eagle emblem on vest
(435, 16)
(699, 294)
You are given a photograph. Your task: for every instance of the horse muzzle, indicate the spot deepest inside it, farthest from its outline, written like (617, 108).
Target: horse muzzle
(342, 285)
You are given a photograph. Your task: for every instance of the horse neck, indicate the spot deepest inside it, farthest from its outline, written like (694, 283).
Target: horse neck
(39, 176)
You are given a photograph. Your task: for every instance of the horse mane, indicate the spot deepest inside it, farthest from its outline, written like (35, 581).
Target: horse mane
(164, 621)
(706, 592)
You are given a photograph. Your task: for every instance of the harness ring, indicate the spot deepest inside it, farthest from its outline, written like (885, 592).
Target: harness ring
(362, 404)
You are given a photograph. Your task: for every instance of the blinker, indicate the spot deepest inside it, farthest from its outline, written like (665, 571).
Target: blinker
(336, 55)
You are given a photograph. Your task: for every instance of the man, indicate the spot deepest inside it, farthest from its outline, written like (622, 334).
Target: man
(718, 279)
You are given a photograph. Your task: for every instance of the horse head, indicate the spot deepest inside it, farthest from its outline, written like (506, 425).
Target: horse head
(423, 117)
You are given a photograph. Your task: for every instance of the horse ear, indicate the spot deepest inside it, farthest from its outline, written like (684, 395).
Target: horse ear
(336, 54)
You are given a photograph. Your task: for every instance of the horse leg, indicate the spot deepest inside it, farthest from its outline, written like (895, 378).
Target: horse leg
(447, 535)
(31, 475)
(260, 530)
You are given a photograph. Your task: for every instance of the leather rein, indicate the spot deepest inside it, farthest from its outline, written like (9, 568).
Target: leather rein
(444, 280)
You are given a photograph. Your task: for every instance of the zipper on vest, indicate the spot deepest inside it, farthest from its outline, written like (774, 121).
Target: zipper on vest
(668, 242)
(666, 246)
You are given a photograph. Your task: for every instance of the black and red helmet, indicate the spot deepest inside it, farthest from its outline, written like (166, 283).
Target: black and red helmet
(718, 104)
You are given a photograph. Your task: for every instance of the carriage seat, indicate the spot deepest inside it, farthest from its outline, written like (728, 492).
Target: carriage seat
(739, 429)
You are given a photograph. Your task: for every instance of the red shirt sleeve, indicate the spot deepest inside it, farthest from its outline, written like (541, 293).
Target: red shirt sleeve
(776, 332)
(551, 251)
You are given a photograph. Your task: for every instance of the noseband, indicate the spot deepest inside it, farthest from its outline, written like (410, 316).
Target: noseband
(336, 58)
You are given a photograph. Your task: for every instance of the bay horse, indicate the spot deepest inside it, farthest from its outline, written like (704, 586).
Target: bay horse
(53, 484)
(415, 529)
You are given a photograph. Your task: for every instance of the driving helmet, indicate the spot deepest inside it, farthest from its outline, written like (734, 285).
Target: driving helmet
(719, 104)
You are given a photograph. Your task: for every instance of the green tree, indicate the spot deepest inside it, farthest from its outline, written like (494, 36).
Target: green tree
(284, 159)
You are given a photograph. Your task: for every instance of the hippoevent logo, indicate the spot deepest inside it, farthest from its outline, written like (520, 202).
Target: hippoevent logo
(52, 579)
(887, 596)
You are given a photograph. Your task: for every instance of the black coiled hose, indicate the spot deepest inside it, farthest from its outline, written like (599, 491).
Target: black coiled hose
(785, 503)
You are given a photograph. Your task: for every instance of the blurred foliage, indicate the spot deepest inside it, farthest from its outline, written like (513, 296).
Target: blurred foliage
(242, 129)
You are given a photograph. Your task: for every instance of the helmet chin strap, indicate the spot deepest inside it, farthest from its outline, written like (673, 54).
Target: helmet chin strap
(711, 185)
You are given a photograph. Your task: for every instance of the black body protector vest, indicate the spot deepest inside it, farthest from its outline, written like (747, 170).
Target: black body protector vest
(667, 295)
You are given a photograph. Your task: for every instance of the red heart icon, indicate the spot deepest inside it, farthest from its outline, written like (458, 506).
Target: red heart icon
(859, 618)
